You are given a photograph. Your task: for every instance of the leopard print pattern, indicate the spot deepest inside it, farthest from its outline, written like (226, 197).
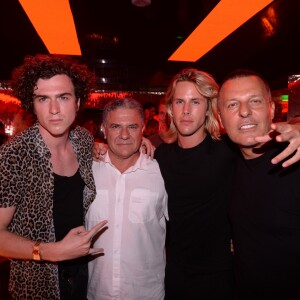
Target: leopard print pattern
(27, 182)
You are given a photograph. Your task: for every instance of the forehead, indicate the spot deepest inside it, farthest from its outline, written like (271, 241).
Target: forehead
(124, 116)
(243, 87)
(61, 82)
(186, 88)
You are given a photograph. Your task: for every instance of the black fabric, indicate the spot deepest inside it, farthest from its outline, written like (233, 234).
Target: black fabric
(192, 284)
(67, 203)
(198, 182)
(265, 213)
(68, 214)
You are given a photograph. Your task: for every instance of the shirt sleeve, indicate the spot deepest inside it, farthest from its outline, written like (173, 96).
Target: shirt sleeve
(10, 176)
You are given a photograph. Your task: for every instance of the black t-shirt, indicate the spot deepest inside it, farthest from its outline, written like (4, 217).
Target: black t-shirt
(265, 214)
(68, 214)
(67, 203)
(198, 182)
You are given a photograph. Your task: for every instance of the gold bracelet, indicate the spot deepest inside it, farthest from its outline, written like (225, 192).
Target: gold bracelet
(36, 254)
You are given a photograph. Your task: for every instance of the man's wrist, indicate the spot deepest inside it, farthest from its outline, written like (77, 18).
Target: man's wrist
(36, 251)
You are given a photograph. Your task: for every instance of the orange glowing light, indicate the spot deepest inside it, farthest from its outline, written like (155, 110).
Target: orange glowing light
(225, 18)
(54, 23)
(8, 99)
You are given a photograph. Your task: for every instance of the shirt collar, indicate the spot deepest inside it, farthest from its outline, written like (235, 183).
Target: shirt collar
(141, 163)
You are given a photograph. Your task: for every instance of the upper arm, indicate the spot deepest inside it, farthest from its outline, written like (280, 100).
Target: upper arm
(6, 215)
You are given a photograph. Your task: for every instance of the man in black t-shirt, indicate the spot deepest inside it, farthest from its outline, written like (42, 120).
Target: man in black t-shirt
(197, 171)
(265, 202)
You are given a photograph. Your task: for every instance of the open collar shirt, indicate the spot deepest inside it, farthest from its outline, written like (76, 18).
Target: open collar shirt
(27, 183)
(135, 205)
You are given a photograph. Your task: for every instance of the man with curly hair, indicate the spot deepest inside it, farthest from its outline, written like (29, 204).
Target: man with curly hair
(47, 184)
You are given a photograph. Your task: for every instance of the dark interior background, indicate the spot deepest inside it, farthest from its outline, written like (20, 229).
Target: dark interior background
(137, 41)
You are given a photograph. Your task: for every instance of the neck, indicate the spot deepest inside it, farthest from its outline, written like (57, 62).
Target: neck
(55, 143)
(191, 141)
(121, 163)
(257, 151)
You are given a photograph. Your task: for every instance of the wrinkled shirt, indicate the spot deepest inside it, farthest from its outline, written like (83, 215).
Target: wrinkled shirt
(135, 205)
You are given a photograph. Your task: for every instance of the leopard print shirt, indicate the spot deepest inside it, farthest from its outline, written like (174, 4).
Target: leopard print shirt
(27, 182)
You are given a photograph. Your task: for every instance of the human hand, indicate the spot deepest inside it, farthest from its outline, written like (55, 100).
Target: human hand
(284, 132)
(77, 242)
(147, 147)
(99, 150)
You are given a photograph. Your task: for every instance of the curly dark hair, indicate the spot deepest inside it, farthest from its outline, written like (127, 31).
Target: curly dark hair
(25, 77)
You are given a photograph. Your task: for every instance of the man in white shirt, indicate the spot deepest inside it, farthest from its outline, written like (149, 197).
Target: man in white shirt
(131, 196)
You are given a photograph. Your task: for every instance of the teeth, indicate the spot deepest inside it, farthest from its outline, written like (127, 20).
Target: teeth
(247, 126)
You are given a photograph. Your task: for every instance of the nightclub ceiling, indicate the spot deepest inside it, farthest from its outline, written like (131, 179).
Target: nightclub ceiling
(136, 42)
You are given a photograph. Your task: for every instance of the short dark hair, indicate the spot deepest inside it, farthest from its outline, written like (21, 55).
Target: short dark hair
(239, 73)
(122, 103)
(25, 77)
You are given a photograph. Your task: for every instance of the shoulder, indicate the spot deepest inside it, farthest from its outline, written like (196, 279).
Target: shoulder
(225, 147)
(150, 168)
(21, 142)
(81, 137)
(164, 149)
(14, 154)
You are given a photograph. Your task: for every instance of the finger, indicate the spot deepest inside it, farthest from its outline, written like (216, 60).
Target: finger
(292, 160)
(282, 155)
(102, 148)
(143, 149)
(95, 153)
(280, 127)
(267, 137)
(95, 229)
(285, 137)
(263, 138)
(94, 251)
(152, 152)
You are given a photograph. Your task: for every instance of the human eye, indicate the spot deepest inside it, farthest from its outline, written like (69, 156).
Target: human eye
(114, 126)
(232, 105)
(178, 101)
(256, 101)
(41, 99)
(196, 101)
(133, 126)
(64, 97)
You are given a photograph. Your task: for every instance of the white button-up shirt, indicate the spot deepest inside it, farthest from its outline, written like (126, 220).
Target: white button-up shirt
(135, 205)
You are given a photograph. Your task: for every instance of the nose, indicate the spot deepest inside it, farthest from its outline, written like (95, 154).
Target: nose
(244, 110)
(54, 107)
(186, 109)
(124, 133)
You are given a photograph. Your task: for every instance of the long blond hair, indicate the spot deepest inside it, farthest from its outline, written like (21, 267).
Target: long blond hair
(207, 87)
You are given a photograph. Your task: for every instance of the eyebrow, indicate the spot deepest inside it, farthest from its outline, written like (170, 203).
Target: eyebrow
(58, 95)
(126, 125)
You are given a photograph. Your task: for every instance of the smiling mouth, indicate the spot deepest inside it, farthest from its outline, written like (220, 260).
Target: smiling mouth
(247, 126)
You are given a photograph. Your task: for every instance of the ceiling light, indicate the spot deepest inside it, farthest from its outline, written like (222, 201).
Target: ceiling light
(141, 3)
(225, 18)
(54, 23)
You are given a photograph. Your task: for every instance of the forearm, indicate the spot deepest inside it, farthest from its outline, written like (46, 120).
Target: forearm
(15, 246)
(18, 247)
